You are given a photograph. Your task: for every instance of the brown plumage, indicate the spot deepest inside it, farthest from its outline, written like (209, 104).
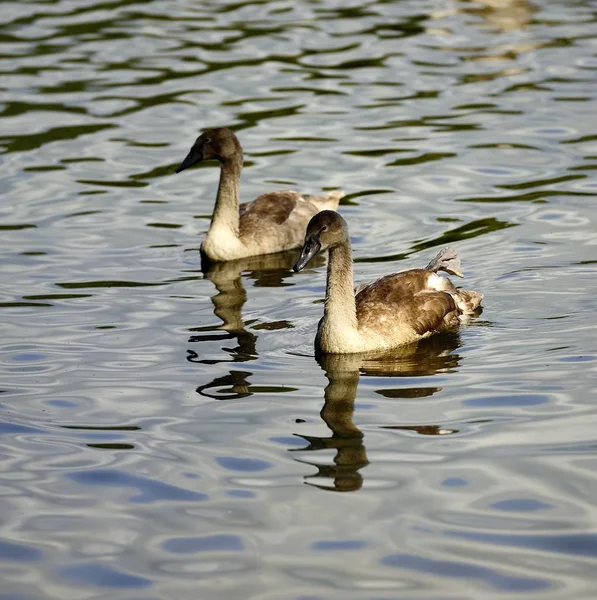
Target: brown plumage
(394, 310)
(272, 223)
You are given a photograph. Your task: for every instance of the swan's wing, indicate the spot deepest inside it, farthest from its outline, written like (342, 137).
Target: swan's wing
(404, 300)
(273, 208)
(391, 289)
(285, 207)
(430, 311)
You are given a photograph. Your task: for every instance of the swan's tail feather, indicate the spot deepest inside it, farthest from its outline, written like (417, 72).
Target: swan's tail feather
(447, 260)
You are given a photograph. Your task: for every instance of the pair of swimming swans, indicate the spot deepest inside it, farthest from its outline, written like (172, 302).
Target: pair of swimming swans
(394, 310)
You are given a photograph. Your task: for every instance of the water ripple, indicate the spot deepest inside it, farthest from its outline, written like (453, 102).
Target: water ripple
(137, 459)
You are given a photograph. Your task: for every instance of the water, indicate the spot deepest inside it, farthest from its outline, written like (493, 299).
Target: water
(166, 433)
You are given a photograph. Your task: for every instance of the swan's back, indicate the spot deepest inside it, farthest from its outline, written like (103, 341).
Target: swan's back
(404, 302)
(277, 220)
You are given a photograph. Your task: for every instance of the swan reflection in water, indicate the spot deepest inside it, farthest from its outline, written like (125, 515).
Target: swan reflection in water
(425, 358)
(271, 270)
(504, 15)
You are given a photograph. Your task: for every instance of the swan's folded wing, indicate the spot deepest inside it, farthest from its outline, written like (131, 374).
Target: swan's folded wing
(403, 300)
(431, 311)
(391, 289)
(268, 209)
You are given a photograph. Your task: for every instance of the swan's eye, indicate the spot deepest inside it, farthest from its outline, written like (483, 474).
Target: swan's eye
(324, 228)
(207, 141)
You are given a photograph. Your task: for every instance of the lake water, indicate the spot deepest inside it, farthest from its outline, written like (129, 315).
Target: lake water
(167, 433)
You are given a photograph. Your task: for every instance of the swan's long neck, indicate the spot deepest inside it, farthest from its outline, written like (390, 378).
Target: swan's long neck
(338, 410)
(340, 313)
(225, 216)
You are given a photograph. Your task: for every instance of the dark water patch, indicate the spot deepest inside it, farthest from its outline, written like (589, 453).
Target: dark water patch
(136, 144)
(15, 109)
(531, 184)
(572, 99)
(191, 278)
(210, 543)
(130, 183)
(14, 429)
(583, 168)
(286, 441)
(242, 101)
(423, 158)
(462, 570)
(271, 389)
(26, 143)
(418, 392)
(44, 168)
(505, 146)
(111, 446)
(240, 494)
(11, 551)
(573, 544)
(250, 119)
(164, 225)
(583, 139)
(338, 545)
(520, 505)
(274, 326)
(527, 87)
(348, 200)
(106, 284)
(282, 182)
(103, 576)
(248, 465)
(25, 304)
(506, 401)
(579, 359)
(272, 153)
(144, 103)
(455, 482)
(150, 490)
(422, 429)
(303, 139)
(310, 90)
(160, 171)
(538, 196)
(56, 296)
(17, 226)
(103, 427)
(83, 213)
(62, 403)
(81, 159)
(374, 153)
(28, 357)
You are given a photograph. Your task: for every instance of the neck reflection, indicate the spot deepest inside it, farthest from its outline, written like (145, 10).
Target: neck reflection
(270, 270)
(425, 358)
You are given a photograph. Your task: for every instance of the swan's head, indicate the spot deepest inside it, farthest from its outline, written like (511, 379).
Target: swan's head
(214, 144)
(325, 230)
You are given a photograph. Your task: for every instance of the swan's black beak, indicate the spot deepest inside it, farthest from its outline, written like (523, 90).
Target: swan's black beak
(311, 248)
(193, 157)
